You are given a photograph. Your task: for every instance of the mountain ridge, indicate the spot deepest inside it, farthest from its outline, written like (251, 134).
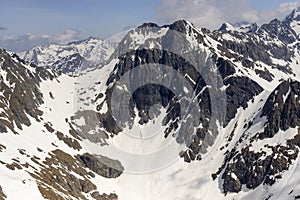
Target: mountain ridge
(71, 57)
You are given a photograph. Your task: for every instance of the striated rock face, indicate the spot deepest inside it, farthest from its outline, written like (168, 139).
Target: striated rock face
(251, 168)
(255, 168)
(145, 98)
(20, 94)
(282, 108)
(239, 92)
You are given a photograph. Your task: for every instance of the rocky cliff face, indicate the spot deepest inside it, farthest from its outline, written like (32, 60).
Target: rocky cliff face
(21, 96)
(252, 168)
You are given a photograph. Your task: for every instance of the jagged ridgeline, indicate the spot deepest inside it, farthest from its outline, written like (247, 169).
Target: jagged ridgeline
(170, 47)
(73, 57)
(251, 63)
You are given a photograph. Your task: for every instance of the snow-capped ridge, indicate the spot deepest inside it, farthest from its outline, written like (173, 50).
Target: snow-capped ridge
(87, 40)
(242, 26)
(72, 57)
(293, 20)
(148, 24)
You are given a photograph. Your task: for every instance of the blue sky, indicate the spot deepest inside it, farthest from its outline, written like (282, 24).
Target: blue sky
(93, 17)
(44, 21)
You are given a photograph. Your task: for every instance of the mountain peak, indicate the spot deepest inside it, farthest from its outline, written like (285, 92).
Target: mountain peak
(281, 30)
(91, 38)
(294, 15)
(179, 25)
(242, 26)
(293, 20)
(148, 24)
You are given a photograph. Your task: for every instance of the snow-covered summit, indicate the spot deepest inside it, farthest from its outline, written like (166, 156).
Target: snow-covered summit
(242, 26)
(293, 20)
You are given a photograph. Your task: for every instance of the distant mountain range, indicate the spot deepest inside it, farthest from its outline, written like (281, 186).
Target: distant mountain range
(72, 57)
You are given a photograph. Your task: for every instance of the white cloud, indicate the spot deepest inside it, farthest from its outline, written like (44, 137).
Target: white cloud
(288, 6)
(66, 35)
(206, 13)
(29, 40)
(285, 8)
(212, 13)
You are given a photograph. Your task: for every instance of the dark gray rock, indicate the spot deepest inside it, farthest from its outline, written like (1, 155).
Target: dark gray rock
(239, 92)
(280, 30)
(69, 64)
(282, 108)
(101, 165)
(255, 168)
